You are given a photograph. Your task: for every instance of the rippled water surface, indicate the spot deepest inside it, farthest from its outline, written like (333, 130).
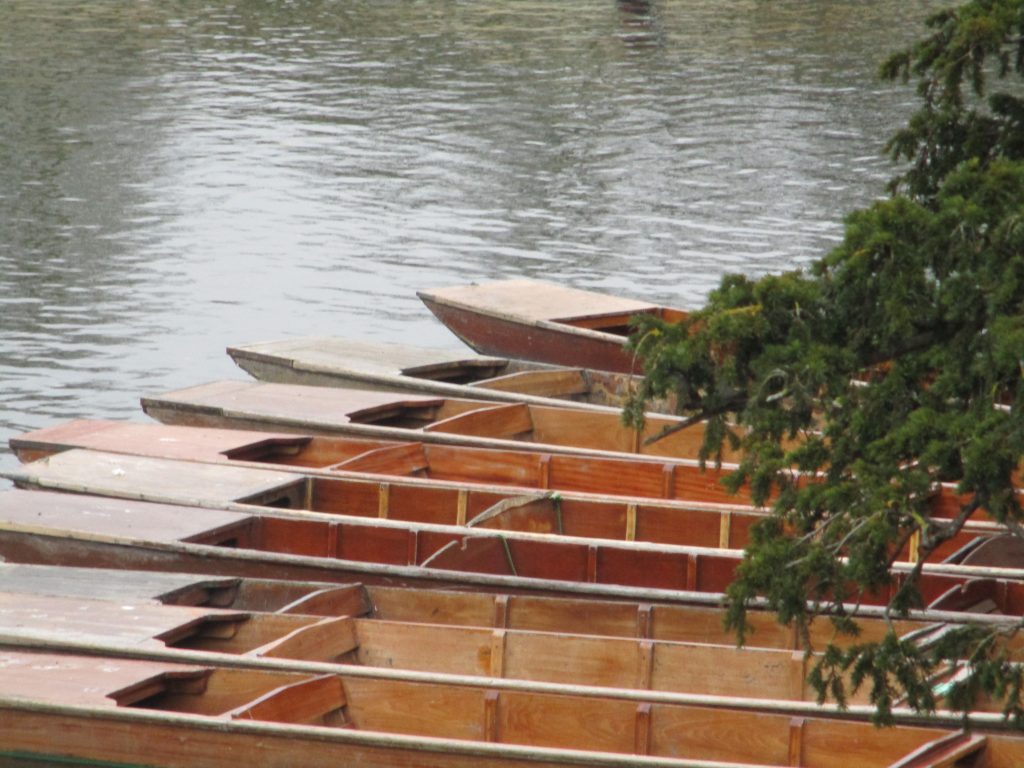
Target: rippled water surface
(178, 176)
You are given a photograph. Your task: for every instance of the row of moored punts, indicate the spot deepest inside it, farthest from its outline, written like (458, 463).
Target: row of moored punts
(383, 556)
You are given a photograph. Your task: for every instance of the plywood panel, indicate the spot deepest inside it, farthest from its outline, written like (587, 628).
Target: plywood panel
(422, 710)
(556, 721)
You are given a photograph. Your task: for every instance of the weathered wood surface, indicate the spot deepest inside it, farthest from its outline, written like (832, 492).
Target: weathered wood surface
(69, 619)
(59, 679)
(535, 320)
(131, 586)
(340, 362)
(219, 482)
(96, 515)
(434, 500)
(312, 546)
(188, 589)
(536, 300)
(323, 713)
(456, 421)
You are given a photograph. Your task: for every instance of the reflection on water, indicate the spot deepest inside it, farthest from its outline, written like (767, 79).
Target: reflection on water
(180, 176)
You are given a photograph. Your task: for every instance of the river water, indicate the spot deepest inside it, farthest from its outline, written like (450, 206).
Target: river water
(180, 175)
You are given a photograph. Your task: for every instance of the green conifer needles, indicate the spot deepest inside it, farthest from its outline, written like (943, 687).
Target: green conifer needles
(895, 363)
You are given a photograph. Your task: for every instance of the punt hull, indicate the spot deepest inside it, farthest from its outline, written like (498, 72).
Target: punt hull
(337, 362)
(140, 739)
(692, 618)
(428, 484)
(536, 341)
(543, 321)
(554, 428)
(382, 649)
(168, 713)
(325, 548)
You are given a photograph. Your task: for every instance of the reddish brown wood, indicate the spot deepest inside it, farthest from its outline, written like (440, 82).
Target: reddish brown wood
(543, 321)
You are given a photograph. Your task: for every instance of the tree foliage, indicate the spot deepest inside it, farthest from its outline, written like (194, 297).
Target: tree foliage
(892, 365)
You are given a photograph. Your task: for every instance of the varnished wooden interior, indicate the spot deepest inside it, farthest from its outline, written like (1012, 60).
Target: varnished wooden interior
(568, 658)
(693, 622)
(635, 478)
(449, 548)
(645, 478)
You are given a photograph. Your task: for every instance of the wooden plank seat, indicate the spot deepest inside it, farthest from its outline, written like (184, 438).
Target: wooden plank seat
(558, 382)
(510, 422)
(317, 701)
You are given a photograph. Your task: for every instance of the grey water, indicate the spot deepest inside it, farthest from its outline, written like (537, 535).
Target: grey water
(180, 175)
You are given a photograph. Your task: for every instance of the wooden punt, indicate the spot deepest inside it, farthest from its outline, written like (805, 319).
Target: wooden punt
(334, 538)
(168, 713)
(394, 653)
(387, 416)
(418, 500)
(311, 546)
(687, 618)
(374, 644)
(622, 476)
(498, 488)
(552, 323)
(338, 362)
(586, 522)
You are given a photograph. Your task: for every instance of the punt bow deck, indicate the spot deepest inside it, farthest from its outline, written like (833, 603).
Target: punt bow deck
(552, 323)
(337, 362)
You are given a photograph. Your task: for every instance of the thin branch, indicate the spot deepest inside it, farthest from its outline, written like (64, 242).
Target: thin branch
(732, 404)
(928, 547)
